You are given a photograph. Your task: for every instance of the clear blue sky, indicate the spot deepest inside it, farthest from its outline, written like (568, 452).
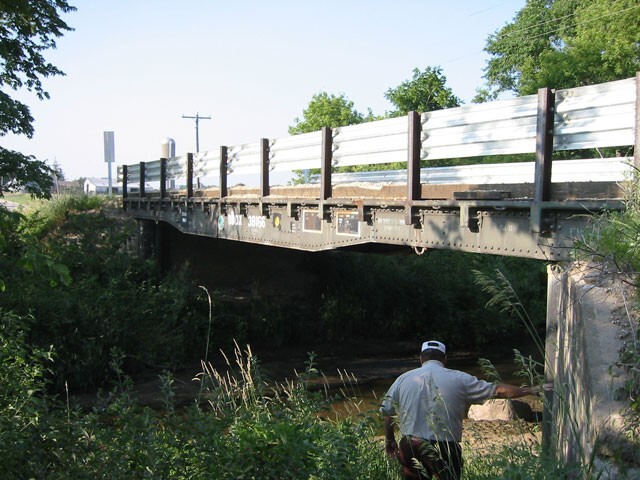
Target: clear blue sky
(135, 67)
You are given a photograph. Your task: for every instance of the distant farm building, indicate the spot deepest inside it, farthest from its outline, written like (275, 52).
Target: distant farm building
(100, 186)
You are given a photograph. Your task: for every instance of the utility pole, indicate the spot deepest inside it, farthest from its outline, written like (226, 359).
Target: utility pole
(197, 118)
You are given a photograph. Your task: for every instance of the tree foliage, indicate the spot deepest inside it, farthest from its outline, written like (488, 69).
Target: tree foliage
(425, 92)
(327, 110)
(27, 29)
(562, 44)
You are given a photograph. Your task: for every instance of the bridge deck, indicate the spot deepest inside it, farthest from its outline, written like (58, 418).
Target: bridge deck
(459, 217)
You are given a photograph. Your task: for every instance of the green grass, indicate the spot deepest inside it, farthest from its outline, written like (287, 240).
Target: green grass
(30, 203)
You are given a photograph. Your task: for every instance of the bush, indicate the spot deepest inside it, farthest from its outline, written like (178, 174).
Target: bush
(88, 294)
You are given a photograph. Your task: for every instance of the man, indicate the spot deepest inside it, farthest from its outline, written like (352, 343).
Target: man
(430, 403)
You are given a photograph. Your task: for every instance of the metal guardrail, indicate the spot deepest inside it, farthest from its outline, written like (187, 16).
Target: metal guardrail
(528, 217)
(616, 169)
(601, 115)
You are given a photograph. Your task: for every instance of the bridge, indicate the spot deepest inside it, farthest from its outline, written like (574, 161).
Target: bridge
(533, 209)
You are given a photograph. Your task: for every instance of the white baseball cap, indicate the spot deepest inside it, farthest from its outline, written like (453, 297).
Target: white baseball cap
(434, 344)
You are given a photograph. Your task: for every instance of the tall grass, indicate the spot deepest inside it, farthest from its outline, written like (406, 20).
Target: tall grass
(247, 429)
(530, 461)
(284, 431)
(55, 212)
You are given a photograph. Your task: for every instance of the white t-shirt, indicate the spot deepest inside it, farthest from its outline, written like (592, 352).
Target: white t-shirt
(432, 400)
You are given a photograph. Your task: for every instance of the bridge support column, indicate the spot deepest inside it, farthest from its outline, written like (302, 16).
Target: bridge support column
(555, 308)
(149, 240)
(585, 333)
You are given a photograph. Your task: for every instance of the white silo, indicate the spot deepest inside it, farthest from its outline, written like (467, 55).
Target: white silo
(168, 148)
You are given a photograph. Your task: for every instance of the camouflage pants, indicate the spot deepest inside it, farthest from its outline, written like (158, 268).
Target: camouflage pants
(425, 459)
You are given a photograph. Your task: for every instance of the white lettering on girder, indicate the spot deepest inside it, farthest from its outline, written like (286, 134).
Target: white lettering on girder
(233, 219)
(257, 222)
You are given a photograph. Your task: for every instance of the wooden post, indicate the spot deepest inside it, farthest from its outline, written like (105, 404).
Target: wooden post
(326, 189)
(224, 158)
(189, 175)
(413, 164)
(142, 179)
(163, 178)
(125, 184)
(544, 152)
(264, 167)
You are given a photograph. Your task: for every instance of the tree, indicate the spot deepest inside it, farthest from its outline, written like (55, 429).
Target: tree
(564, 43)
(326, 110)
(27, 28)
(425, 92)
(57, 170)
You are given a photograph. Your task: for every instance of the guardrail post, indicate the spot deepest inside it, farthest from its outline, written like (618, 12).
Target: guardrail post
(189, 175)
(636, 147)
(142, 179)
(163, 178)
(264, 167)
(125, 184)
(326, 189)
(544, 153)
(413, 164)
(224, 159)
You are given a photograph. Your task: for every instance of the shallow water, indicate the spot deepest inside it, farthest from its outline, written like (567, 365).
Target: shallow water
(362, 388)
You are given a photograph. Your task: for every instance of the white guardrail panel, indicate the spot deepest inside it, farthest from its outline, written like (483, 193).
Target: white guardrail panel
(494, 128)
(152, 175)
(616, 169)
(382, 141)
(596, 116)
(297, 152)
(177, 168)
(133, 173)
(206, 164)
(244, 158)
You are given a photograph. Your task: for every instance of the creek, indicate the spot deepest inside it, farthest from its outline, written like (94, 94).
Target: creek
(364, 383)
(360, 373)
(363, 372)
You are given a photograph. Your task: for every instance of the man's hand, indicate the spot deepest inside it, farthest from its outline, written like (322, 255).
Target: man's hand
(391, 447)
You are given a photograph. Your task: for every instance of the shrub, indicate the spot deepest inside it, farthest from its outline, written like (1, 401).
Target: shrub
(88, 294)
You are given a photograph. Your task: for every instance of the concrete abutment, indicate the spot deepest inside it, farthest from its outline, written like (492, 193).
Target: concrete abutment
(587, 316)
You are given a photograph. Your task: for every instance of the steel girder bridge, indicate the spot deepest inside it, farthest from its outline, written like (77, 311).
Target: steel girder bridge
(534, 209)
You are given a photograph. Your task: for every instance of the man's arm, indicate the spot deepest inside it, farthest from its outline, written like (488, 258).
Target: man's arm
(504, 390)
(390, 444)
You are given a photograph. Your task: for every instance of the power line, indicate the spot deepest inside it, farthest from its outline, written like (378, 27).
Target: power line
(509, 34)
(548, 32)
